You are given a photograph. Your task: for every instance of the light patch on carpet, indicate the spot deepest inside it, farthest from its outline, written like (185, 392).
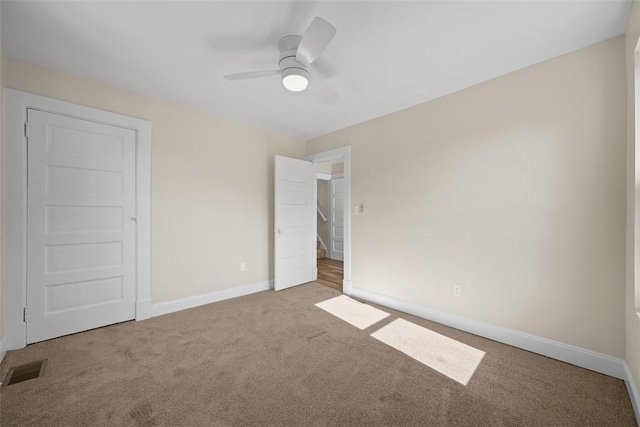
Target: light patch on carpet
(351, 311)
(452, 358)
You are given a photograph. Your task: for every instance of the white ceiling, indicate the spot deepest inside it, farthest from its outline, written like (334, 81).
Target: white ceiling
(386, 56)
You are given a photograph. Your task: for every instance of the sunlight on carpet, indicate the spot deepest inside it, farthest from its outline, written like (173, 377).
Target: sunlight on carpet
(351, 311)
(452, 358)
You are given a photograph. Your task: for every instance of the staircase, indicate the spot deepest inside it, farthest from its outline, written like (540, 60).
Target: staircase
(320, 252)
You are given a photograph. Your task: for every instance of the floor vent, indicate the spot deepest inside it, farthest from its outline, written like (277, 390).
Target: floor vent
(26, 372)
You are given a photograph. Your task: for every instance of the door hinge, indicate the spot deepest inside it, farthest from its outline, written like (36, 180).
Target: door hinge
(26, 129)
(24, 314)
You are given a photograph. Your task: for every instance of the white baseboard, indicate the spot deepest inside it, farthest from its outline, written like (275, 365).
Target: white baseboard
(633, 391)
(567, 353)
(143, 309)
(198, 300)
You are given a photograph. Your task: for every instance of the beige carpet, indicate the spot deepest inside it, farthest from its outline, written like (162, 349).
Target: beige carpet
(452, 358)
(351, 311)
(276, 359)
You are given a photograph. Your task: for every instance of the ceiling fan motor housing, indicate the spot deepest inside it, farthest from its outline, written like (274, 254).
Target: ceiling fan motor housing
(288, 47)
(289, 65)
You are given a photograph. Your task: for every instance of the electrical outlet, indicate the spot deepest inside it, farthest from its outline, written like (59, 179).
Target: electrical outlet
(243, 267)
(457, 290)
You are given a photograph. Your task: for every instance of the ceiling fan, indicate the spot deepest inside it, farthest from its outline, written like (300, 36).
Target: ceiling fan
(297, 53)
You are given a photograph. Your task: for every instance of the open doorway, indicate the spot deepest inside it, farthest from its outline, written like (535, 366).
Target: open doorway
(330, 223)
(339, 155)
(295, 229)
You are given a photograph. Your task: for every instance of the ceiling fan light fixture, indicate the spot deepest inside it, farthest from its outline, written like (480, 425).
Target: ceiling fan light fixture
(296, 54)
(295, 79)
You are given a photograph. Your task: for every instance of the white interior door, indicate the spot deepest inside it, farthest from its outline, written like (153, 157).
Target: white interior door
(295, 225)
(81, 225)
(336, 236)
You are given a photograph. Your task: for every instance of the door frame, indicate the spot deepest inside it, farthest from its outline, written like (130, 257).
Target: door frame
(339, 155)
(14, 204)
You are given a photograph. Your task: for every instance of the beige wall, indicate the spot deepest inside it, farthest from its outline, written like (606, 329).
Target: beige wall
(212, 185)
(633, 185)
(324, 168)
(514, 189)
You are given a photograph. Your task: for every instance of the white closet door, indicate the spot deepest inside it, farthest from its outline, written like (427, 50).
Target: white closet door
(81, 225)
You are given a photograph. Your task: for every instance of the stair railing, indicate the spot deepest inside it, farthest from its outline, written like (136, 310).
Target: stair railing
(324, 218)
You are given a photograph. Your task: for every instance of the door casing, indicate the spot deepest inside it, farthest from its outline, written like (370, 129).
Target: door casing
(14, 204)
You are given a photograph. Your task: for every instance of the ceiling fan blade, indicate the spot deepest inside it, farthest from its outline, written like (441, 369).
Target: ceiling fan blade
(251, 75)
(323, 91)
(314, 41)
